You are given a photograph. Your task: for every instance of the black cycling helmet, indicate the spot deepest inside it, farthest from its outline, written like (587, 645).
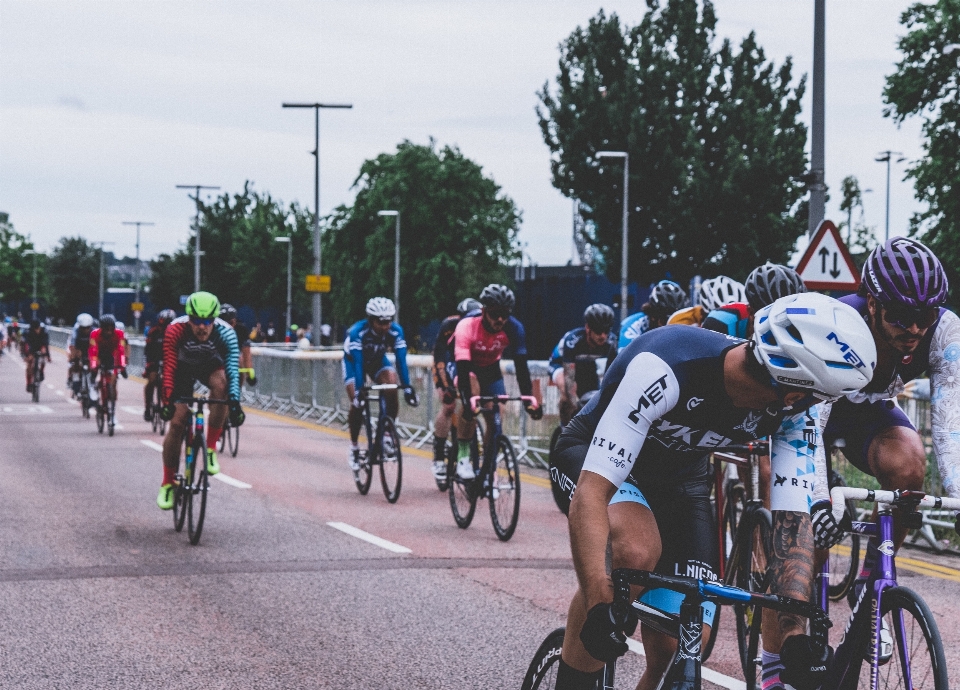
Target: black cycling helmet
(668, 297)
(467, 306)
(496, 295)
(768, 283)
(108, 323)
(166, 316)
(34, 323)
(228, 312)
(599, 318)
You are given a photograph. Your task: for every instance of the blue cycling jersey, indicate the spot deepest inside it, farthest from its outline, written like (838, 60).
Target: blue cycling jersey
(633, 326)
(365, 352)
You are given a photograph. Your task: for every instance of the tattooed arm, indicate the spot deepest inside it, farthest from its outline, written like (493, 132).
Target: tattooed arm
(791, 574)
(945, 400)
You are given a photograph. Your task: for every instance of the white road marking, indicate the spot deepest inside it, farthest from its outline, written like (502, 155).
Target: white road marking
(707, 674)
(230, 481)
(25, 409)
(130, 409)
(367, 537)
(152, 444)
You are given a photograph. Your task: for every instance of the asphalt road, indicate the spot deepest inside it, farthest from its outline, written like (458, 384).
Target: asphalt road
(98, 591)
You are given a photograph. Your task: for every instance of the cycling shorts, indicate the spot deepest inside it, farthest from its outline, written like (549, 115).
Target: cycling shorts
(151, 368)
(196, 369)
(858, 424)
(490, 379)
(682, 509)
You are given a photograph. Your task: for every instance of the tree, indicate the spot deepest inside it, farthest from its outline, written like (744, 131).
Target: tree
(74, 277)
(16, 267)
(714, 138)
(458, 232)
(926, 84)
(860, 237)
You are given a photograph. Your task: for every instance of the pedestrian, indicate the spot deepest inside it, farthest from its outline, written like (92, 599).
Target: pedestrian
(271, 332)
(326, 334)
(303, 342)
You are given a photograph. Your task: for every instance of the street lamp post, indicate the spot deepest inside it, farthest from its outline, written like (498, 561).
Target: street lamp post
(885, 157)
(196, 244)
(102, 279)
(317, 303)
(289, 243)
(396, 261)
(136, 314)
(28, 252)
(626, 215)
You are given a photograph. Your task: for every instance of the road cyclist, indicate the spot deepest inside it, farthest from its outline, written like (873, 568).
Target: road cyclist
(197, 347)
(77, 345)
(633, 463)
(108, 356)
(35, 347)
(153, 354)
(713, 294)
(247, 374)
(666, 298)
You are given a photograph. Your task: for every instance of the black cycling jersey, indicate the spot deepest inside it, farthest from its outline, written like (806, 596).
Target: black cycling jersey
(34, 341)
(243, 334)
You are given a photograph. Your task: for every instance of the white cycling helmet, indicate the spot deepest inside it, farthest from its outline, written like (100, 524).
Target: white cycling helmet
(815, 342)
(120, 326)
(84, 320)
(716, 292)
(381, 308)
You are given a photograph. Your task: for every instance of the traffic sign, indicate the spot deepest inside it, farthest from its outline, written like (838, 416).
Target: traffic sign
(317, 283)
(34, 306)
(827, 265)
(136, 306)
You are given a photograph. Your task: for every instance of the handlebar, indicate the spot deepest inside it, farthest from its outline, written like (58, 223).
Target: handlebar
(476, 400)
(201, 401)
(911, 500)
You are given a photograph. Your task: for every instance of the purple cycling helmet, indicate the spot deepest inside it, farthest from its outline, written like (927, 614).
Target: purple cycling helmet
(905, 271)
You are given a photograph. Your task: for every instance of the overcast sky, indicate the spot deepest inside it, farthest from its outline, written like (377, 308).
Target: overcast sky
(106, 106)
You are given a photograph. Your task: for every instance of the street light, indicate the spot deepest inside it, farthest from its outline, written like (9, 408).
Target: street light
(102, 280)
(623, 243)
(885, 157)
(317, 304)
(289, 274)
(396, 262)
(196, 245)
(28, 252)
(136, 313)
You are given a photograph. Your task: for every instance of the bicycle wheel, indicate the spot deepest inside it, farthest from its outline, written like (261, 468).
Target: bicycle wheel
(222, 443)
(233, 440)
(845, 556)
(111, 418)
(391, 459)
(36, 389)
(918, 661)
(364, 476)
(542, 672)
(101, 418)
(504, 490)
(442, 482)
(748, 570)
(463, 497)
(181, 492)
(558, 495)
(197, 506)
(735, 494)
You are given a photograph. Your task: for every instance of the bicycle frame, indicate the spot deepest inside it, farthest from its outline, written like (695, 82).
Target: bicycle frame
(495, 427)
(753, 500)
(373, 451)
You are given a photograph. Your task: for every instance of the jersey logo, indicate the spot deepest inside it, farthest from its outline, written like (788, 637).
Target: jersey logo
(693, 402)
(779, 480)
(651, 396)
(849, 354)
(751, 423)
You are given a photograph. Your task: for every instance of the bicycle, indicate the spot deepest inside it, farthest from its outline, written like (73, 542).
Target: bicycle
(84, 395)
(107, 403)
(37, 378)
(230, 438)
(156, 420)
(383, 447)
(191, 487)
(845, 556)
(687, 627)
(496, 477)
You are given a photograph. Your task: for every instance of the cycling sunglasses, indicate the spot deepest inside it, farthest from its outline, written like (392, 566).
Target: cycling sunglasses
(494, 313)
(902, 316)
(197, 321)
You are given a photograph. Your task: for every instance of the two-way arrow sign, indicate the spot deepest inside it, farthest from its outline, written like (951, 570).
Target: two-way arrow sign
(835, 270)
(824, 253)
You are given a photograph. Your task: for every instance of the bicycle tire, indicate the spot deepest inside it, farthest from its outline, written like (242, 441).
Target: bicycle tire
(181, 492)
(222, 443)
(504, 490)
(558, 496)
(749, 571)
(197, 507)
(101, 419)
(233, 440)
(463, 497)
(442, 484)
(735, 494)
(844, 566)
(36, 391)
(111, 417)
(391, 458)
(542, 671)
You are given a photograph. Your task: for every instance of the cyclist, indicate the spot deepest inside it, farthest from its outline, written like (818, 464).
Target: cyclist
(687, 391)
(444, 375)
(365, 355)
(197, 347)
(480, 341)
(765, 285)
(666, 297)
(713, 294)
(229, 314)
(77, 345)
(107, 354)
(573, 367)
(153, 354)
(35, 343)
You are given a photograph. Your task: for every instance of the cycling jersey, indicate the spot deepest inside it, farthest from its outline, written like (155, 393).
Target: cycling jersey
(731, 319)
(153, 348)
(186, 358)
(80, 338)
(633, 326)
(572, 349)
(690, 316)
(106, 350)
(443, 351)
(365, 353)
(34, 341)
(478, 350)
(243, 334)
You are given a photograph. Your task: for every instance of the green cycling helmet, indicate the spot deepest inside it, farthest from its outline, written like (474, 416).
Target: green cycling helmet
(203, 305)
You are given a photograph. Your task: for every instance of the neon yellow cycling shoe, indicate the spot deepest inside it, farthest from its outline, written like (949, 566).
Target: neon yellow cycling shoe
(213, 467)
(165, 497)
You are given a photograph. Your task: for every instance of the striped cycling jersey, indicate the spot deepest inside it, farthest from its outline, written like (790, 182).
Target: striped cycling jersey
(180, 345)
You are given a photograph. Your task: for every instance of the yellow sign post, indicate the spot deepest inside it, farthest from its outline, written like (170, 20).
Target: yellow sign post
(36, 305)
(136, 306)
(317, 283)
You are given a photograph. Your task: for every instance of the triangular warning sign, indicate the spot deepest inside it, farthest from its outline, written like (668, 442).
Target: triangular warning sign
(827, 265)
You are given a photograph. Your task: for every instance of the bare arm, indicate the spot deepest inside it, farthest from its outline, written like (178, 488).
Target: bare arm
(791, 567)
(570, 381)
(589, 532)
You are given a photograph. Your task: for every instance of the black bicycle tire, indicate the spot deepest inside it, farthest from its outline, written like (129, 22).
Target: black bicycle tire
(111, 417)
(734, 493)
(222, 443)
(36, 390)
(233, 440)
(838, 590)
(443, 484)
(460, 490)
(101, 418)
(386, 426)
(198, 492)
(512, 468)
(363, 477)
(558, 496)
(544, 663)
(181, 491)
(742, 575)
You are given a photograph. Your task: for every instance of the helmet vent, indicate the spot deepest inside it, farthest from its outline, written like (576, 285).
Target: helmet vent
(794, 333)
(783, 362)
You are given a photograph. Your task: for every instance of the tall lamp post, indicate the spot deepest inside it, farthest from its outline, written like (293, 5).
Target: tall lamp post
(136, 314)
(626, 211)
(289, 243)
(196, 244)
(317, 304)
(396, 260)
(102, 276)
(885, 157)
(28, 252)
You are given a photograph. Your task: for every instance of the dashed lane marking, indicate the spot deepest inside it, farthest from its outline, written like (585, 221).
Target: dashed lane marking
(229, 481)
(152, 445)
(26, 408)
(370, 538)
(130, 409)
(705, 673)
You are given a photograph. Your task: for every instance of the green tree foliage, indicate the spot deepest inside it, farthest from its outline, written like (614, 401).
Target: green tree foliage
(16, 267)
(860, 237)
(242, 263)
(74, 277)
(926, 84)
(457, 230)
(713, 134)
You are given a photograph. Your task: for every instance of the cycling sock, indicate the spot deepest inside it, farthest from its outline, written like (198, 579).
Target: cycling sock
(169, 474)
(463, 450)
(772, 666)
(569, 678)
(213, 437)
(439, 446)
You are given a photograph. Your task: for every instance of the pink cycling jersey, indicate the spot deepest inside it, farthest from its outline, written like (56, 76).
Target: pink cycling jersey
(476, 344)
